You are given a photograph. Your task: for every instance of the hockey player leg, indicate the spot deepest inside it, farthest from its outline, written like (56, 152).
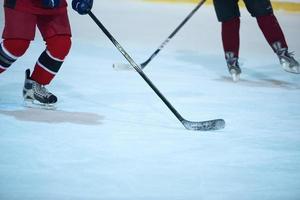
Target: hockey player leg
(231, 43)
(45, 70)
(275, 37)
(18, 31)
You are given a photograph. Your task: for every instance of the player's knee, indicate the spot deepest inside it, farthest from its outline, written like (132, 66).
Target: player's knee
(264, 7)
(15, 47)
(10, 51)
(227, 18)
(59, 46)
(229, 24)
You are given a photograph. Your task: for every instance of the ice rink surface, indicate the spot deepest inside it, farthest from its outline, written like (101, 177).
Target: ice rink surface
(112, 138)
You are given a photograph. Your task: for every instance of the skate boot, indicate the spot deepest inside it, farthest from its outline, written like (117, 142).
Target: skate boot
(233, 66)
(286, 58)
(36, 95)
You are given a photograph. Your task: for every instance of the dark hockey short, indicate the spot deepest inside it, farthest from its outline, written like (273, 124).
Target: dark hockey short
(228, 9)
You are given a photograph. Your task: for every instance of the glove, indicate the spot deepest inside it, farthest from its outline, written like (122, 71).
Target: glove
(50, 3)
(82, 6)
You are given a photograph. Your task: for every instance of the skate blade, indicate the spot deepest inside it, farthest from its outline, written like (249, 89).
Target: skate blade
(122, 67)
(34, 104)
(287, 68)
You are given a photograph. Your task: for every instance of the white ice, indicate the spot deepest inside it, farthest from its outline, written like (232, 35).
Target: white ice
(112, 138)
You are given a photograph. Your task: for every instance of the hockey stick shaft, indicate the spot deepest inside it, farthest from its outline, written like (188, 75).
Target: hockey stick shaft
(144, 64)
(209, 125)
(135, 66)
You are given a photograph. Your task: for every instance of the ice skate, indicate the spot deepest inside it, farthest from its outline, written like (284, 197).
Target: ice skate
(36, 95)
(286, 59)
(233, 66)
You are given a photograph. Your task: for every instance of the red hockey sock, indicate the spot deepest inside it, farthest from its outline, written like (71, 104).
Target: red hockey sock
(271, 29)
(51, 59)
(231, 36)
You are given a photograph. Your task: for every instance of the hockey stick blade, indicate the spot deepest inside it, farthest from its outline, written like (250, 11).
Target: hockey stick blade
(211, 125)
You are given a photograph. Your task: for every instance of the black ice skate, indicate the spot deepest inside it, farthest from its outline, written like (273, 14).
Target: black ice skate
(286, 58)
(233, 66)
(36, 95)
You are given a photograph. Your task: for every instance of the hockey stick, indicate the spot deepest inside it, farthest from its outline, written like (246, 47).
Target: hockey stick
(122, 66)
(201, 126)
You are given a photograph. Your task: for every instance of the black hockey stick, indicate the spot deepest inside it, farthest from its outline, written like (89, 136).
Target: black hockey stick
(201, 126)
(144, 64)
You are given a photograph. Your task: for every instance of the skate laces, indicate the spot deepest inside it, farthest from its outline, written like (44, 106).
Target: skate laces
(232, 61)
(288, 57)
(41, 90)
(283, 53)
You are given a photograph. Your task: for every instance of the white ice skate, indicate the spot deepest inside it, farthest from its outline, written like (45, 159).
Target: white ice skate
(233, 66)
(286, 59)
(36, 95)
